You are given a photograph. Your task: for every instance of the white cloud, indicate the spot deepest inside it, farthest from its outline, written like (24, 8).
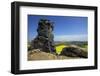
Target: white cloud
(71, 38)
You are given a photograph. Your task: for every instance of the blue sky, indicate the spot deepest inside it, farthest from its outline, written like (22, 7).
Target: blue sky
(66, 28)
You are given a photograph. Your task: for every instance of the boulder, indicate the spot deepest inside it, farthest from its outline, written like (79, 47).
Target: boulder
(74, 52)
(37, 54)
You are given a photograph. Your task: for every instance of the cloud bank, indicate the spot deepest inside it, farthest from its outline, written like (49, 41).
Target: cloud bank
(70, 37)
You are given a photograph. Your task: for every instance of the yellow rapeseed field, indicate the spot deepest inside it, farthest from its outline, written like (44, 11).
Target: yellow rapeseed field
(59, 48)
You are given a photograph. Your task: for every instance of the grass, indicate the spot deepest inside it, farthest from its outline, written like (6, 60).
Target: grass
(85, 46)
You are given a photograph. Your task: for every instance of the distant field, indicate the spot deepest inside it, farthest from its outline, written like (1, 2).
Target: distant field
(59, 48)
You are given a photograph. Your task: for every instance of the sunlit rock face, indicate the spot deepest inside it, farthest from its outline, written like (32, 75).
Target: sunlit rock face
(45, 38)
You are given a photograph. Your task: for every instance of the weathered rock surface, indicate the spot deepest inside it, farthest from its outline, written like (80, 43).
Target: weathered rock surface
(36, 54)
(74, 52)
(45, 38)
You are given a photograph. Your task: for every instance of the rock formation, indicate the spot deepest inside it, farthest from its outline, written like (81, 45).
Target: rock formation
(36, 54)
(74, 52)
(44, 39)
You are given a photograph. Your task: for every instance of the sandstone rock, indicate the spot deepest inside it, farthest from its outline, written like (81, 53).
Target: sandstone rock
(36, 54)
(45, 38)
(74, 52)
